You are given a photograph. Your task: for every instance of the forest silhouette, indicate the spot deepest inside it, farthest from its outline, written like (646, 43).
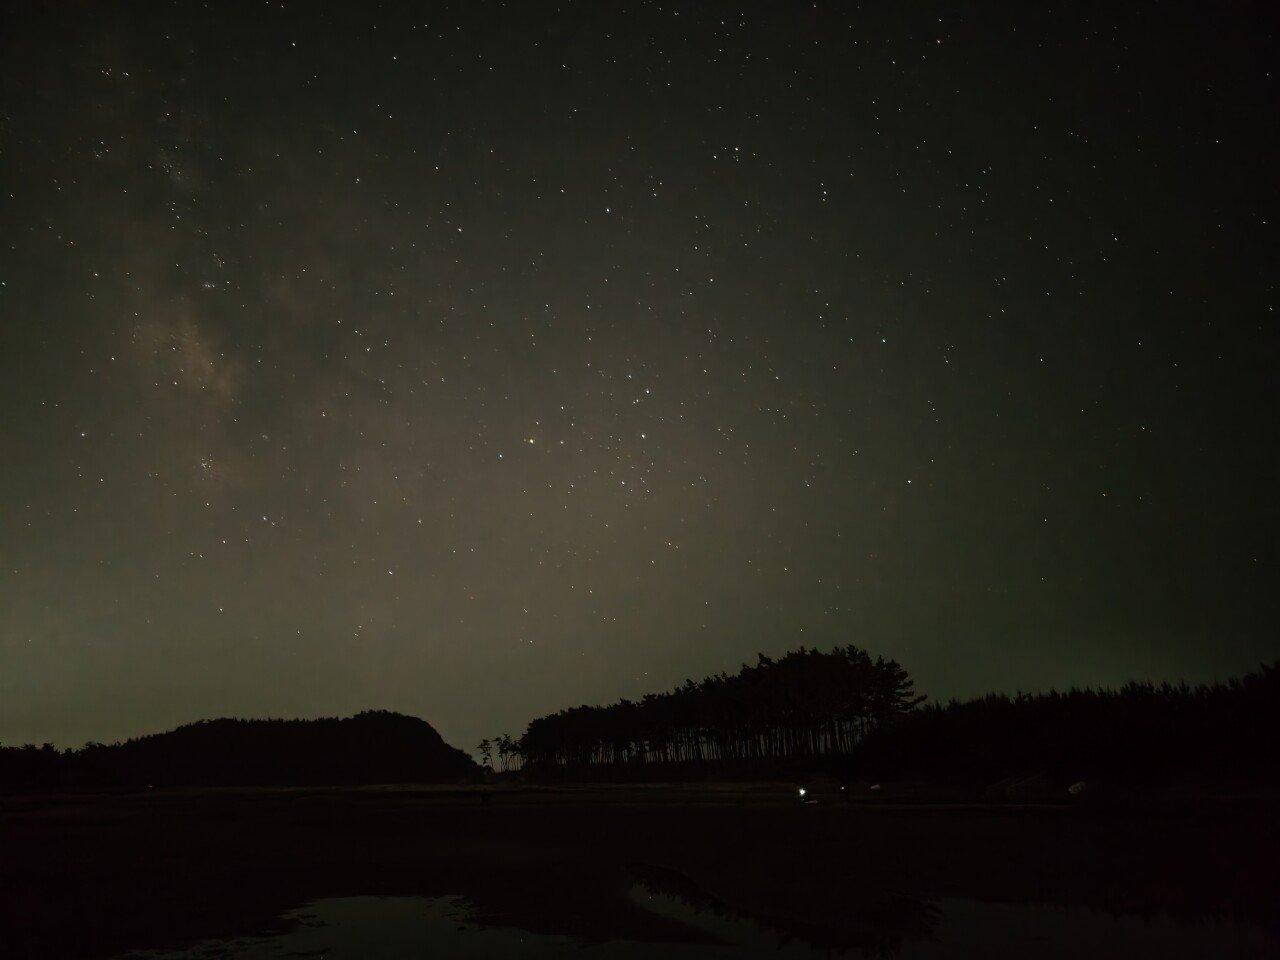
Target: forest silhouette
(842, 712)
(857, 717)
(1227, 731)
(805, 704)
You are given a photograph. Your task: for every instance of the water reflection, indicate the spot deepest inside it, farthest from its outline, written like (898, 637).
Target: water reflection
(871, 924)
(972, 928)
(416, 928)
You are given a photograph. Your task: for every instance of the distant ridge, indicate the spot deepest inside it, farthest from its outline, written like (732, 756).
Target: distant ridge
(376, 746)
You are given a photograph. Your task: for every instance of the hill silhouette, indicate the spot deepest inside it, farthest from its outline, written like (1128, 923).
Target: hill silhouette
(376, 746)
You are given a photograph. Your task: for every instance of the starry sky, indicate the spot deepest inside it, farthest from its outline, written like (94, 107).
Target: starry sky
(476, 360)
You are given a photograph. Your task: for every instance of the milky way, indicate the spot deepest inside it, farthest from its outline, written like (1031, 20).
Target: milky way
(475, 361)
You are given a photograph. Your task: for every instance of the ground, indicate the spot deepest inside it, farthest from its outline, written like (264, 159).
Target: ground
(91, 876)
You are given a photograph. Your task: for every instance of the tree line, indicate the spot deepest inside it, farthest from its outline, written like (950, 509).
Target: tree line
(805, 704)
(843, 711)
(1166, 731)
(859, 717)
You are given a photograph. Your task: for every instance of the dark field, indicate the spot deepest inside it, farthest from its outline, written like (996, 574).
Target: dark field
(94, 876)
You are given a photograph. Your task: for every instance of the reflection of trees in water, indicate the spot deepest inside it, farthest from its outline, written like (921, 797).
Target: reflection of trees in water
(873, 925)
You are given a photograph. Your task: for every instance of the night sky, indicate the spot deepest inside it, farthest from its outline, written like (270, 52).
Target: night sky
(479, 360)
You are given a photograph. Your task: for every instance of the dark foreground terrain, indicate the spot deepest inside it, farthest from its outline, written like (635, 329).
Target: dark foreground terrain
(93, 876)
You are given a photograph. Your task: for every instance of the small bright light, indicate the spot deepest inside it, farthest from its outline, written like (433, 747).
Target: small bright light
(802, 791)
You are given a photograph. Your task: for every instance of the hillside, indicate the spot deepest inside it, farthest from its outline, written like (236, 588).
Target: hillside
(371, 747)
